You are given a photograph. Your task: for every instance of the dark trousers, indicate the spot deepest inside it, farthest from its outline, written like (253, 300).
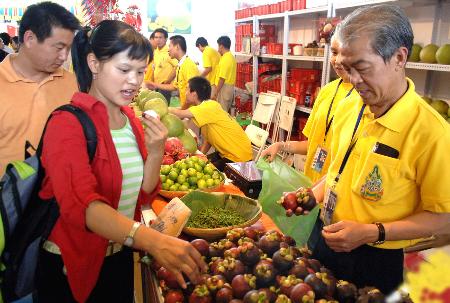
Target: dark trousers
(115, 283)
(363, 266)
(218, 161)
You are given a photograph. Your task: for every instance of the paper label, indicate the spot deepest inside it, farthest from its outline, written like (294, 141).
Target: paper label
(172, 218)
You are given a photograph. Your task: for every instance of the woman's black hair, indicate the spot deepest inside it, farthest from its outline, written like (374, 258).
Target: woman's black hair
(108, 38)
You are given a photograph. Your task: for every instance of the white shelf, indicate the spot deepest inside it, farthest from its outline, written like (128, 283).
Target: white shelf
(306, 58)
(271, 56)
(428, 66)
(320, 9)
(303, 109)
(352, 3)
(271, 16)
(248, 19)
(242, 54)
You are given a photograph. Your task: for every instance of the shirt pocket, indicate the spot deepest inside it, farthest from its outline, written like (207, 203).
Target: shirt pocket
(374, 179)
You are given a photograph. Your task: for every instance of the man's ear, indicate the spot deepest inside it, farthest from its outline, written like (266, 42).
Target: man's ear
(401, 56)
(29, 38)
(93, 63)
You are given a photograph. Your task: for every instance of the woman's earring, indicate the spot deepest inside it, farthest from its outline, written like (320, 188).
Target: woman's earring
(94, 76)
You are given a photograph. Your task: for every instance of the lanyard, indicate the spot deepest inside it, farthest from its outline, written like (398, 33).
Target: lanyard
(328, 123)
(352, 145)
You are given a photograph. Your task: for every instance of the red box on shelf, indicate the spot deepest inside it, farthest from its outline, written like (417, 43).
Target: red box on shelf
(298, 4)
(305, 75)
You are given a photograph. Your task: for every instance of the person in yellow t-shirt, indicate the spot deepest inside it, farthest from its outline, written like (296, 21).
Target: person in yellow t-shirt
(387, 184)
(211, 59)
(219, 130)
(226, 74)
(186, 69)
(149, 72)
(318, 127)
(164, 65)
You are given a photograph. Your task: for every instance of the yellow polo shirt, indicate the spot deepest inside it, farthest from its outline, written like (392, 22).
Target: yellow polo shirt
(315, 127)
(163, 64)
(149, 72)
(25, 106)
(211, 58)
(378, 188)
(186, 70)
(222, 131)
(227, 69)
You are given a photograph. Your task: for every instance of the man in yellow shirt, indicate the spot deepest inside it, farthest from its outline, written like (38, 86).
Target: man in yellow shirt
(387, 184)
(149, 72)
(211, 59)
(186, 69)
(219, 130)
(33, 82)
(226, 74)
(163, 64)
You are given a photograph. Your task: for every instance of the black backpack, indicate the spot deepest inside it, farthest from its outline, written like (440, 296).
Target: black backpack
(27, 219)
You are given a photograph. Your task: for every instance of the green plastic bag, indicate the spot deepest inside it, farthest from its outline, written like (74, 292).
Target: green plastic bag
(277, 178)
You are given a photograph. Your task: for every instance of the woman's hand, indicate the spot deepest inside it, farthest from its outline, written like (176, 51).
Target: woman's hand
(271, 151)
(179, 257)
(155, 134)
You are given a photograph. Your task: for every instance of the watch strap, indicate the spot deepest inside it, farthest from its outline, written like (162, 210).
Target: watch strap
(381, 233)
(129, 239)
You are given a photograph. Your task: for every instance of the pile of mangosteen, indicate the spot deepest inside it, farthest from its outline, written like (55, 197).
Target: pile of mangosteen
(254, 266)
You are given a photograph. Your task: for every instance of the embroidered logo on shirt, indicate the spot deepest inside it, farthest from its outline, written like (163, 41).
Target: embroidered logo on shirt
(372, 189)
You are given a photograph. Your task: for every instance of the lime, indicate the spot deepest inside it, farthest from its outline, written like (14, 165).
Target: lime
(194, 158)
(208, 170)
(169, 182)
(174, 187)
(191, 172)
(201, 162)
(184, 172)
(165, 169)
(192, 181)
(210, 183)
(165, 186)
(173, 175)
(184, 188)
(198, 167)
(216, 175)
(190, 164)
(216, 182)
(206, 177)
(181, 179)
(183, 165)
(163, 178)
(199, 175)
(201, 184)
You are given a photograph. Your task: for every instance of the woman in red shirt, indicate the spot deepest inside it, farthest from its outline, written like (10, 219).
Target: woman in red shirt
(87, 257)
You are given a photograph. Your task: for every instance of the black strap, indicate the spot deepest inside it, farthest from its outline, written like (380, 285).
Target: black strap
(352, 145)
(328, 123)
(89, 129)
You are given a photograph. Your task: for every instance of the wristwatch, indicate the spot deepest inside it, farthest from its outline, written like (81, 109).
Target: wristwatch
(129, 240)
(381, 233)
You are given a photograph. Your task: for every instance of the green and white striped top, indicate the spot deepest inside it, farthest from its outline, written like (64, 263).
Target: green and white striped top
(132, 168)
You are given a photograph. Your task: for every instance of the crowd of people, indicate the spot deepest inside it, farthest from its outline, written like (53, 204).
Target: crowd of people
(380, 187)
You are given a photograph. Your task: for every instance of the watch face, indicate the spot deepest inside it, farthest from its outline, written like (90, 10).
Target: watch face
(128, 241)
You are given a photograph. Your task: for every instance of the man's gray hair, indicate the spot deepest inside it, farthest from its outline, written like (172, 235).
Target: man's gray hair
(386, 25)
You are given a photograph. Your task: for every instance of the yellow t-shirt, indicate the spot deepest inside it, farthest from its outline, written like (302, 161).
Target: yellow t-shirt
(379, 188)
(149, 72)
(227, 69)
(222, 131)
(315, 127)
(25, 106)
(187, 70)
(211, 58)
(163, 64)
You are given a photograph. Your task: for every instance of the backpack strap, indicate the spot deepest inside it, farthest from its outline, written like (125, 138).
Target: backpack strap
(89, 129)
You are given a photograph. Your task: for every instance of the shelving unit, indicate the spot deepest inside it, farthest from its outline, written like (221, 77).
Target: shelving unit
(430, 79)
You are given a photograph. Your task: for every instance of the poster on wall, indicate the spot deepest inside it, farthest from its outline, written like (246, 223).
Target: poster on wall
(175, 16)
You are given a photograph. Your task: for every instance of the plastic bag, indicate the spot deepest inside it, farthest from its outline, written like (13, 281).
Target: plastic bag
(277, 178)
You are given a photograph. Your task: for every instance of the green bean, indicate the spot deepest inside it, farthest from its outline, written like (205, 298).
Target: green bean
(215, 217)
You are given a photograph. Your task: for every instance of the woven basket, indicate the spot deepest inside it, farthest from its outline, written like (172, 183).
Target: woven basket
(172, 194)
(250, 209)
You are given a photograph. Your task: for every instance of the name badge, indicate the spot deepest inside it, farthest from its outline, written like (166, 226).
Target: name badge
(329, 205)
(319, 159)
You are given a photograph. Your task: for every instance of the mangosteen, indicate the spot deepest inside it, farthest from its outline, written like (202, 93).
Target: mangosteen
(370, 295)
(236, 301)
(270, 242)
(250, 254)
(283, 299)
(289, 240)
(287, 283)
(242, 284)
(216, 249)
(202, 246)
(233, 252)
(305, 252)
(245, 240)
(174, 296)
(346, 292)
(302, 293)
(214, 263)
(283, 259)
(299, 269)
(154, 265)
(265, 273)
(235, 234)
(314, 264)
(271, 293)
(230, 268)
(200, 294)
(316, 283)
(251, 232)
(225, 294)
(256, 296)
(168, 277)
(214, 283)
